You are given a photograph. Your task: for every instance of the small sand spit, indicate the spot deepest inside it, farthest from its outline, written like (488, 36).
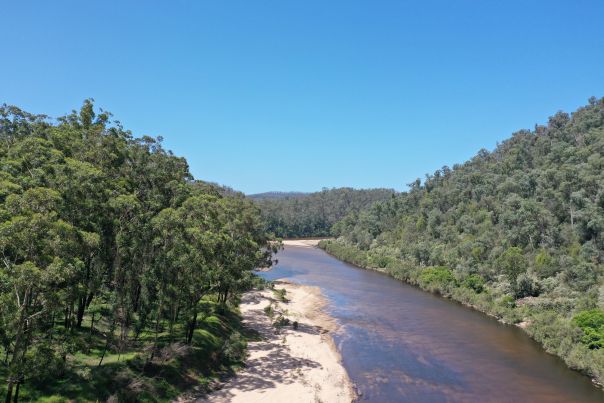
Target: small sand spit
(288, 365)
(305, 243)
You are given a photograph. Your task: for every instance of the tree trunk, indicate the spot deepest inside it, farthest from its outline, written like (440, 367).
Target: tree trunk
(109, 337)
(21, 329)
(92, 323)
(172, 321)
(9, 391)
(16, 399)
(83, 299)
(80, 313)
(156, 336)
(66, 318)
(192, 326)
(83, 304)
(104, 351)
(137, 299)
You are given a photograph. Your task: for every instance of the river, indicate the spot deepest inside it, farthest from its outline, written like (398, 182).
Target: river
(401, 344)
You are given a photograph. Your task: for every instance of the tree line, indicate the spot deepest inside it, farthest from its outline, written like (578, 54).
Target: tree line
(517, 232)
(299, 215)
(109, 232)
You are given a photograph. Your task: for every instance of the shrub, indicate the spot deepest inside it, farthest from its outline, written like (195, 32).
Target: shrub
(381, 261)
(545, 264)
(580, 276)
(437, 279)
(474, 282)
(592, 324)
(526, 286)
(512, 262)
(234, 347)
(508, 302)
(279, 294)
(281, 321)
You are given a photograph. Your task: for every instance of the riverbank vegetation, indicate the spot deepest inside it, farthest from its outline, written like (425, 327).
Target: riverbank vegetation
(306, 215)
(517, 233)
(119, 273)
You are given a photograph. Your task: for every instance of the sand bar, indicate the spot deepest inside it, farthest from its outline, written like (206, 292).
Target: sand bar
(288, 365)
(305, 243)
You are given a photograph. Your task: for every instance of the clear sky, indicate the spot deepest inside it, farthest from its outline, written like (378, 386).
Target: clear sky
(300, 95)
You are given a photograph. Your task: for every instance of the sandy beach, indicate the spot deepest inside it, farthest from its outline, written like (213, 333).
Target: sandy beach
(288, 365)
(305, 243)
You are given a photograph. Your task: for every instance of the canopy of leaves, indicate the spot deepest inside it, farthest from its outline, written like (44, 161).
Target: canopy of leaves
(96, 223)
(522, 227)
(298, 215)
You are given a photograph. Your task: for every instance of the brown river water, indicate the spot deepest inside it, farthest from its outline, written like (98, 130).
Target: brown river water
(401, 344)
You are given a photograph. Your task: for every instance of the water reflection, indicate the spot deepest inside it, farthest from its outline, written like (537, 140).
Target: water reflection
(401, 344)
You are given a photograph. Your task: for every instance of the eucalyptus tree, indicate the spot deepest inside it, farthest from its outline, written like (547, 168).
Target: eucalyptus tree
(96, 223)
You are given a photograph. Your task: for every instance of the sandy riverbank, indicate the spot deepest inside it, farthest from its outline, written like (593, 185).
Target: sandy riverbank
(288, 365)
(306, 243)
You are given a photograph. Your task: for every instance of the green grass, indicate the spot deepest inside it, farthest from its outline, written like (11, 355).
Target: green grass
(125, 374)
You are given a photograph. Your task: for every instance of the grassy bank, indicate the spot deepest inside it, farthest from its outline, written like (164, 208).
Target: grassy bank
(550, 321)
(128, 372)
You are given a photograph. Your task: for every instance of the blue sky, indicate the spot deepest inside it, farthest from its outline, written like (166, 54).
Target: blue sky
(300, 95)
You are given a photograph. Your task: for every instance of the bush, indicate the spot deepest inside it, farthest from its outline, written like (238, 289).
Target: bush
(279, 294)
(592, 324)
(545, 264)
(281, 321)
(347, 253)
(381, 261)
(437, 279)
(581, 276)
(234, 347)
(508, 302)
(474, 282)
(512, 262)
(526, 286)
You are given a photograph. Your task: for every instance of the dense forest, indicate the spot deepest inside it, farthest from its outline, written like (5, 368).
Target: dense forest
(299, 215)
(517, 232)
(117, 267)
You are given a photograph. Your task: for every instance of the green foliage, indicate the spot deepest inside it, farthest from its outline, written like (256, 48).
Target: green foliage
(107, 243)
(234, 347)
(545, 264)
(296, 215)
(474, 282)
(508, 301)
(279, 294)
(581, 276)
(526, 286)
(437, 279)
(527, 219)
(512, 263)
(592, 324)
(269, 311)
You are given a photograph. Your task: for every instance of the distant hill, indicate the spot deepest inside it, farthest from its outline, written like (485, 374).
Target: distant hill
(276, 195)
(295, 214)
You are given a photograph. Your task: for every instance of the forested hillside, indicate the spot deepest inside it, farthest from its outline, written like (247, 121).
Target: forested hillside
(116, 265)
(517, 232)
(312, 215)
